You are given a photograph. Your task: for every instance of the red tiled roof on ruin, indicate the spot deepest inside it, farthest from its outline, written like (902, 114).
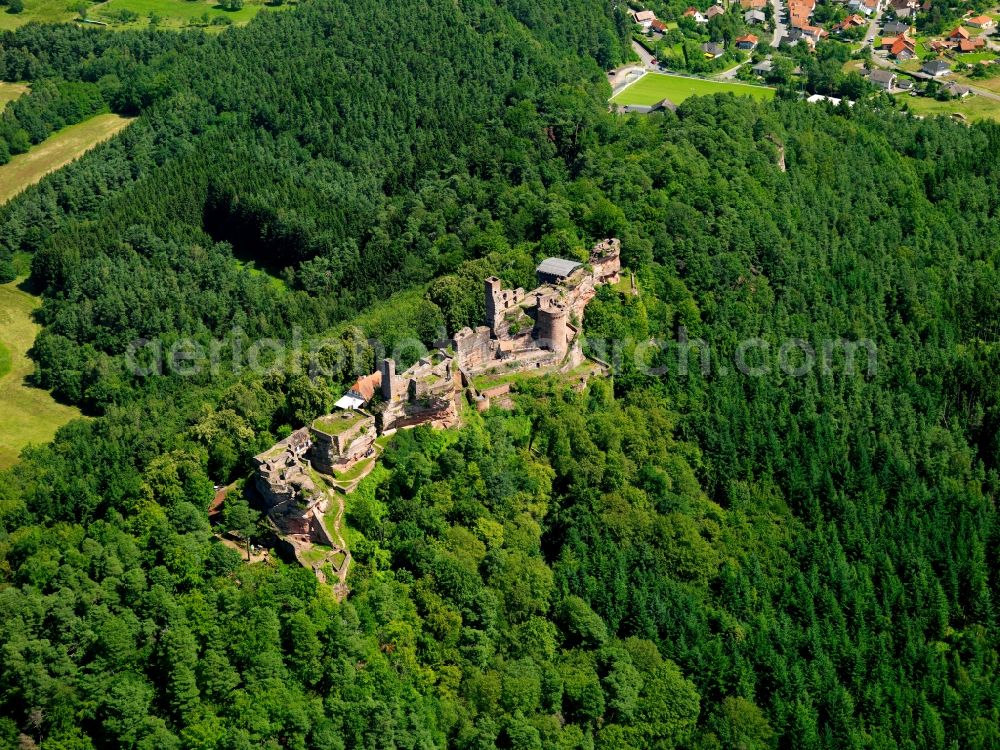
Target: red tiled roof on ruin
(366, 385)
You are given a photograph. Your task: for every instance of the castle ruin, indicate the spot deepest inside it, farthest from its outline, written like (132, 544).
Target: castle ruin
(523, 331)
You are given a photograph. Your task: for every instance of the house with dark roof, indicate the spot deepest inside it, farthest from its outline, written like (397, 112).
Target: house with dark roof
(754, 17)
(883, 79)
(956, 90)
(936, 68)
(895, 28)
(905, 8)
(713, 50)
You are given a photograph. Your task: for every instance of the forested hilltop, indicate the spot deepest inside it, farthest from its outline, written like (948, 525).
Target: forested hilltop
(707, 560)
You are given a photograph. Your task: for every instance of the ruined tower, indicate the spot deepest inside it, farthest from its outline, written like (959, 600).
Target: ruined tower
(552, 324)
(492, 292)
(498, 302)
(388, 368)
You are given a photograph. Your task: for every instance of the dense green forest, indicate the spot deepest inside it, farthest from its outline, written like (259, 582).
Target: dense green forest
(705, 560)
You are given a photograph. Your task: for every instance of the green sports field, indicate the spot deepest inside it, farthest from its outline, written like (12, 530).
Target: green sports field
(655, 87)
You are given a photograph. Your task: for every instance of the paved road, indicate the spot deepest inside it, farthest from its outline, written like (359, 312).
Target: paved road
(644, 56)
(727, 75)
(873, 27)
(780, 29)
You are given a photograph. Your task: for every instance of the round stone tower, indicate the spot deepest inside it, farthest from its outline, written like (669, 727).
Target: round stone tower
(552, 324)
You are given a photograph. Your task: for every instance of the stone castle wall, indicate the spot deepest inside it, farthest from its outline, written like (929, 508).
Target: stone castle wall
(339, 452)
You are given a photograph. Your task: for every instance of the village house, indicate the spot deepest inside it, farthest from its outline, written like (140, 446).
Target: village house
(864, 7)
(746, 42)
(715, 10)
(982, 22)
(883, 79)
(959, 34)
(754, 17)
(814, 33)
(696, 14)
(644, 18)
(971, 45)
(712, 50)
(658, 26)
(853, 21)
(956, 90)
(763, 67)
(753, 4)
(936, 68)
(900, 48)
(905, 8)
(895, 28)
(796, 35)
(799, 12)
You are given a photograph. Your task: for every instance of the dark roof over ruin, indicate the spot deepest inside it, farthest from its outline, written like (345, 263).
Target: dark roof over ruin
(557, 267)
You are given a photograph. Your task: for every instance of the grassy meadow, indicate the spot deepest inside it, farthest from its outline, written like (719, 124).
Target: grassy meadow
(171, 14)
(27, 415)
(11, 91)
(56, 151)
(973, 107)
(42, 11)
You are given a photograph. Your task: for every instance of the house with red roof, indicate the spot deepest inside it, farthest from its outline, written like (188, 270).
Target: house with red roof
(903, 48)
(696, 14)
(971, 45)
(747, 42)
(958, 35)
(851, 22)
(982, 22)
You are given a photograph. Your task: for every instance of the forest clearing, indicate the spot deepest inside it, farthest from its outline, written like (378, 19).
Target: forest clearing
(57, 151)
(30, 415)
